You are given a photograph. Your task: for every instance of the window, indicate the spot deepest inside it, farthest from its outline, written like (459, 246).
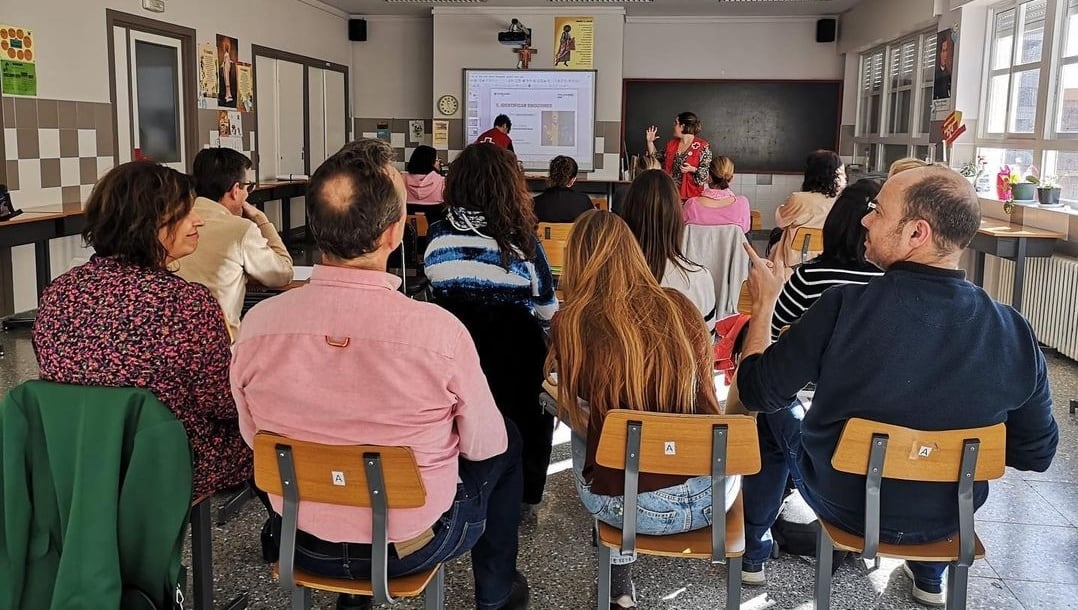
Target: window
(1066, 122)
(895, 102)
(1017, 41)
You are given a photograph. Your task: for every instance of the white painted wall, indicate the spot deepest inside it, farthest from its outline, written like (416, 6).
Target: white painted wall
(72, 60)
(728, 48)
(875, 21)
(467, 38)
(391, 70)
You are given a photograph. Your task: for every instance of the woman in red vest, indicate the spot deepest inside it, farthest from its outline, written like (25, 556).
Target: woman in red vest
(687, 156)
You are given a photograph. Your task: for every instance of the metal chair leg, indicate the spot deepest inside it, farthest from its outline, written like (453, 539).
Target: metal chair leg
(234, 504)
(957, 582)
(603, 592)
(434, 596)
(301, 598)
(733, 583)
(824, 557)
(202, 555)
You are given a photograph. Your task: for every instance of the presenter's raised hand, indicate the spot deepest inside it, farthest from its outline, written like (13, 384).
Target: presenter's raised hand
(651, 134)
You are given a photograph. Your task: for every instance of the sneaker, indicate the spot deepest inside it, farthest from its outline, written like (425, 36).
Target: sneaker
(928, 595)
(519, 594)
(753, 576)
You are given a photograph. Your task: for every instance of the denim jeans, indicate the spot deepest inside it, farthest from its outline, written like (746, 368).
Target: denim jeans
(671, 510)
(780, 450)
(483, 518)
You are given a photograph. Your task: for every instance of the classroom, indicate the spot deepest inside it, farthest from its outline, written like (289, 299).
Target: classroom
(126, 123)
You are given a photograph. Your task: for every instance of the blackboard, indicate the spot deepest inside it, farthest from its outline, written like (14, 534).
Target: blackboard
(764, 126)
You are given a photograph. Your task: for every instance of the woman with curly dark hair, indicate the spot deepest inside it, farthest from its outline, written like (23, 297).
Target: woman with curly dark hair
(486, 266)
(825, 177)
(125, 319)
(559, 202)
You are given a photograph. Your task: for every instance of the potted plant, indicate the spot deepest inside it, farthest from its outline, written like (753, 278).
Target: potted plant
(1048, 191)
(1024, 188)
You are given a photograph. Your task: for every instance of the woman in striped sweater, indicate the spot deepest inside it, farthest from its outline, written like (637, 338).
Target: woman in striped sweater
(842, 261)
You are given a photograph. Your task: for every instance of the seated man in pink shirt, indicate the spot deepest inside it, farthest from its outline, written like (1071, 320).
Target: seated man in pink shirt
(350, 360)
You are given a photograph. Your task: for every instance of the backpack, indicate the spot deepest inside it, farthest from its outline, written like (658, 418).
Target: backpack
(796, 528)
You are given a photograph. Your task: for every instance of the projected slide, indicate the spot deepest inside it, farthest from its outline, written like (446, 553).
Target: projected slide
(553, 112)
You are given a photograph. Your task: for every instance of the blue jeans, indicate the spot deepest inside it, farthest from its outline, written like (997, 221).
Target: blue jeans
(780, 450)
(671, 510)
(483, 518)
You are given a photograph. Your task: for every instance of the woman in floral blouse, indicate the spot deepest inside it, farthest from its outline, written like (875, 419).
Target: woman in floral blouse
(124, 319)
(686, 157)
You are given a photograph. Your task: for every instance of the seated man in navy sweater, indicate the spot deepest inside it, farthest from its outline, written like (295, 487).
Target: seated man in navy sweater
(919, 347)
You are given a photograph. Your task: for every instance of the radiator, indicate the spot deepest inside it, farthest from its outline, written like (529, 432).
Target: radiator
(1049, 298)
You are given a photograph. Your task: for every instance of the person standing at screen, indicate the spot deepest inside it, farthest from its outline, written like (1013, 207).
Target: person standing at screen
(499, 134)
(686, 157)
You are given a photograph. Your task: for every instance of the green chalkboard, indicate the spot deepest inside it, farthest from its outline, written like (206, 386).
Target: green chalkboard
(764, 126)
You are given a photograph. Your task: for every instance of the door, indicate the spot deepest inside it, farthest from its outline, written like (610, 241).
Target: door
(151, 112)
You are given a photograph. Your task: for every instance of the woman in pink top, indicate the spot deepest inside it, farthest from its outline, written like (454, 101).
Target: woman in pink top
(718, 205)
(423, 182)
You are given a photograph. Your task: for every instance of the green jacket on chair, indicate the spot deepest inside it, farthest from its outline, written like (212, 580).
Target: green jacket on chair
(95, 489)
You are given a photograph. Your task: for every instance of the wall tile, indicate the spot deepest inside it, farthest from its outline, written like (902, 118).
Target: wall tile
(87, 143)
(105, 143)
(25, 112)
(29, 174)
(50, 173)
(48, 141)
(28, 144)
(456, 134)
(47, 116)
(764, 179)
(12, 175)
(84, 114)
(70, 194)
(9, 111)
(69, 143)
(104, 164)
(65, 114)
(69, 171)
(11, 144)
(87, 170)
(102, 117)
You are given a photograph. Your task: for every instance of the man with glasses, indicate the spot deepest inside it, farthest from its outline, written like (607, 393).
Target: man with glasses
(238, 241)
(919, 347)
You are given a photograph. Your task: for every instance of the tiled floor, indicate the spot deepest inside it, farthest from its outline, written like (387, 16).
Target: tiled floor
(1029, 526)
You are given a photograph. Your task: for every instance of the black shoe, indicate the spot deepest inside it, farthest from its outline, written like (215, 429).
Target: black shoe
(347, 601)
(519, 594)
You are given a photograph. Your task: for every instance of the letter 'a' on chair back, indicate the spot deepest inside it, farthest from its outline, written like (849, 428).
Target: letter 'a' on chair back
(366, 476)
(884, 451)
(686, 445)
(808, 241)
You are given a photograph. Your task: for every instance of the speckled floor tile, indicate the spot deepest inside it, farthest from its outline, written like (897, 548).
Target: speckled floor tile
(1044, 596)
(1062, 496)
(1015, 501)
(1038, 553)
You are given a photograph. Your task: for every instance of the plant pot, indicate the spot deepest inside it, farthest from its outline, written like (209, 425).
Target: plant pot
(1023, 191)
(1048, 196)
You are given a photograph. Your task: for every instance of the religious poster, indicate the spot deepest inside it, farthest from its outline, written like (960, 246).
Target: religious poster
(228, 53)
(245, 82)
(230, 129)
(574, 41)
(207, 75)
(440, 134)
(18, 68)
(416, 131)
(943, 73)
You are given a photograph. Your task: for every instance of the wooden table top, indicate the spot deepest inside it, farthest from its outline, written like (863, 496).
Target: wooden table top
(999, 228)
(45, 212)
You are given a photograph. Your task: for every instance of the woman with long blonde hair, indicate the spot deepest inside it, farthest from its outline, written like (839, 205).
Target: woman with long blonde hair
(622, 341)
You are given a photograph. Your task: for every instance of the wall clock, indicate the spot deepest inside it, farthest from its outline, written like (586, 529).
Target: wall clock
(448, 105)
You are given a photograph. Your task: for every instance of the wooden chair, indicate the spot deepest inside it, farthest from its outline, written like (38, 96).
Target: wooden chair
(756, 222)
(811, 240)
(744, 300)
(553, 236)
(379, 478)
(883, 451)
(687, 445)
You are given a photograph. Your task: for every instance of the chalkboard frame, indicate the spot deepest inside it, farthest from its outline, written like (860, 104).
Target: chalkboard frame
(741, 169)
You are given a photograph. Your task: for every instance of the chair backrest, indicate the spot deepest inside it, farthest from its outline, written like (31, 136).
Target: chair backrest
(756, 221)
(744, 300)
(808, 240)
(419, 224)
(347, 475)
(885, 451)
(553, 236)
(674, 444)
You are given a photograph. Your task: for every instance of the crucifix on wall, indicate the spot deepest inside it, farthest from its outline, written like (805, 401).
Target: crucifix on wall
(525, 53)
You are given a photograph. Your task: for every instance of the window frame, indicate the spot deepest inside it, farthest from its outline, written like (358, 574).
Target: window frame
(1045, 80)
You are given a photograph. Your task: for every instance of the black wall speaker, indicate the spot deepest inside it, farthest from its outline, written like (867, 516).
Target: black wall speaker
(826, 29)
(357, 30)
